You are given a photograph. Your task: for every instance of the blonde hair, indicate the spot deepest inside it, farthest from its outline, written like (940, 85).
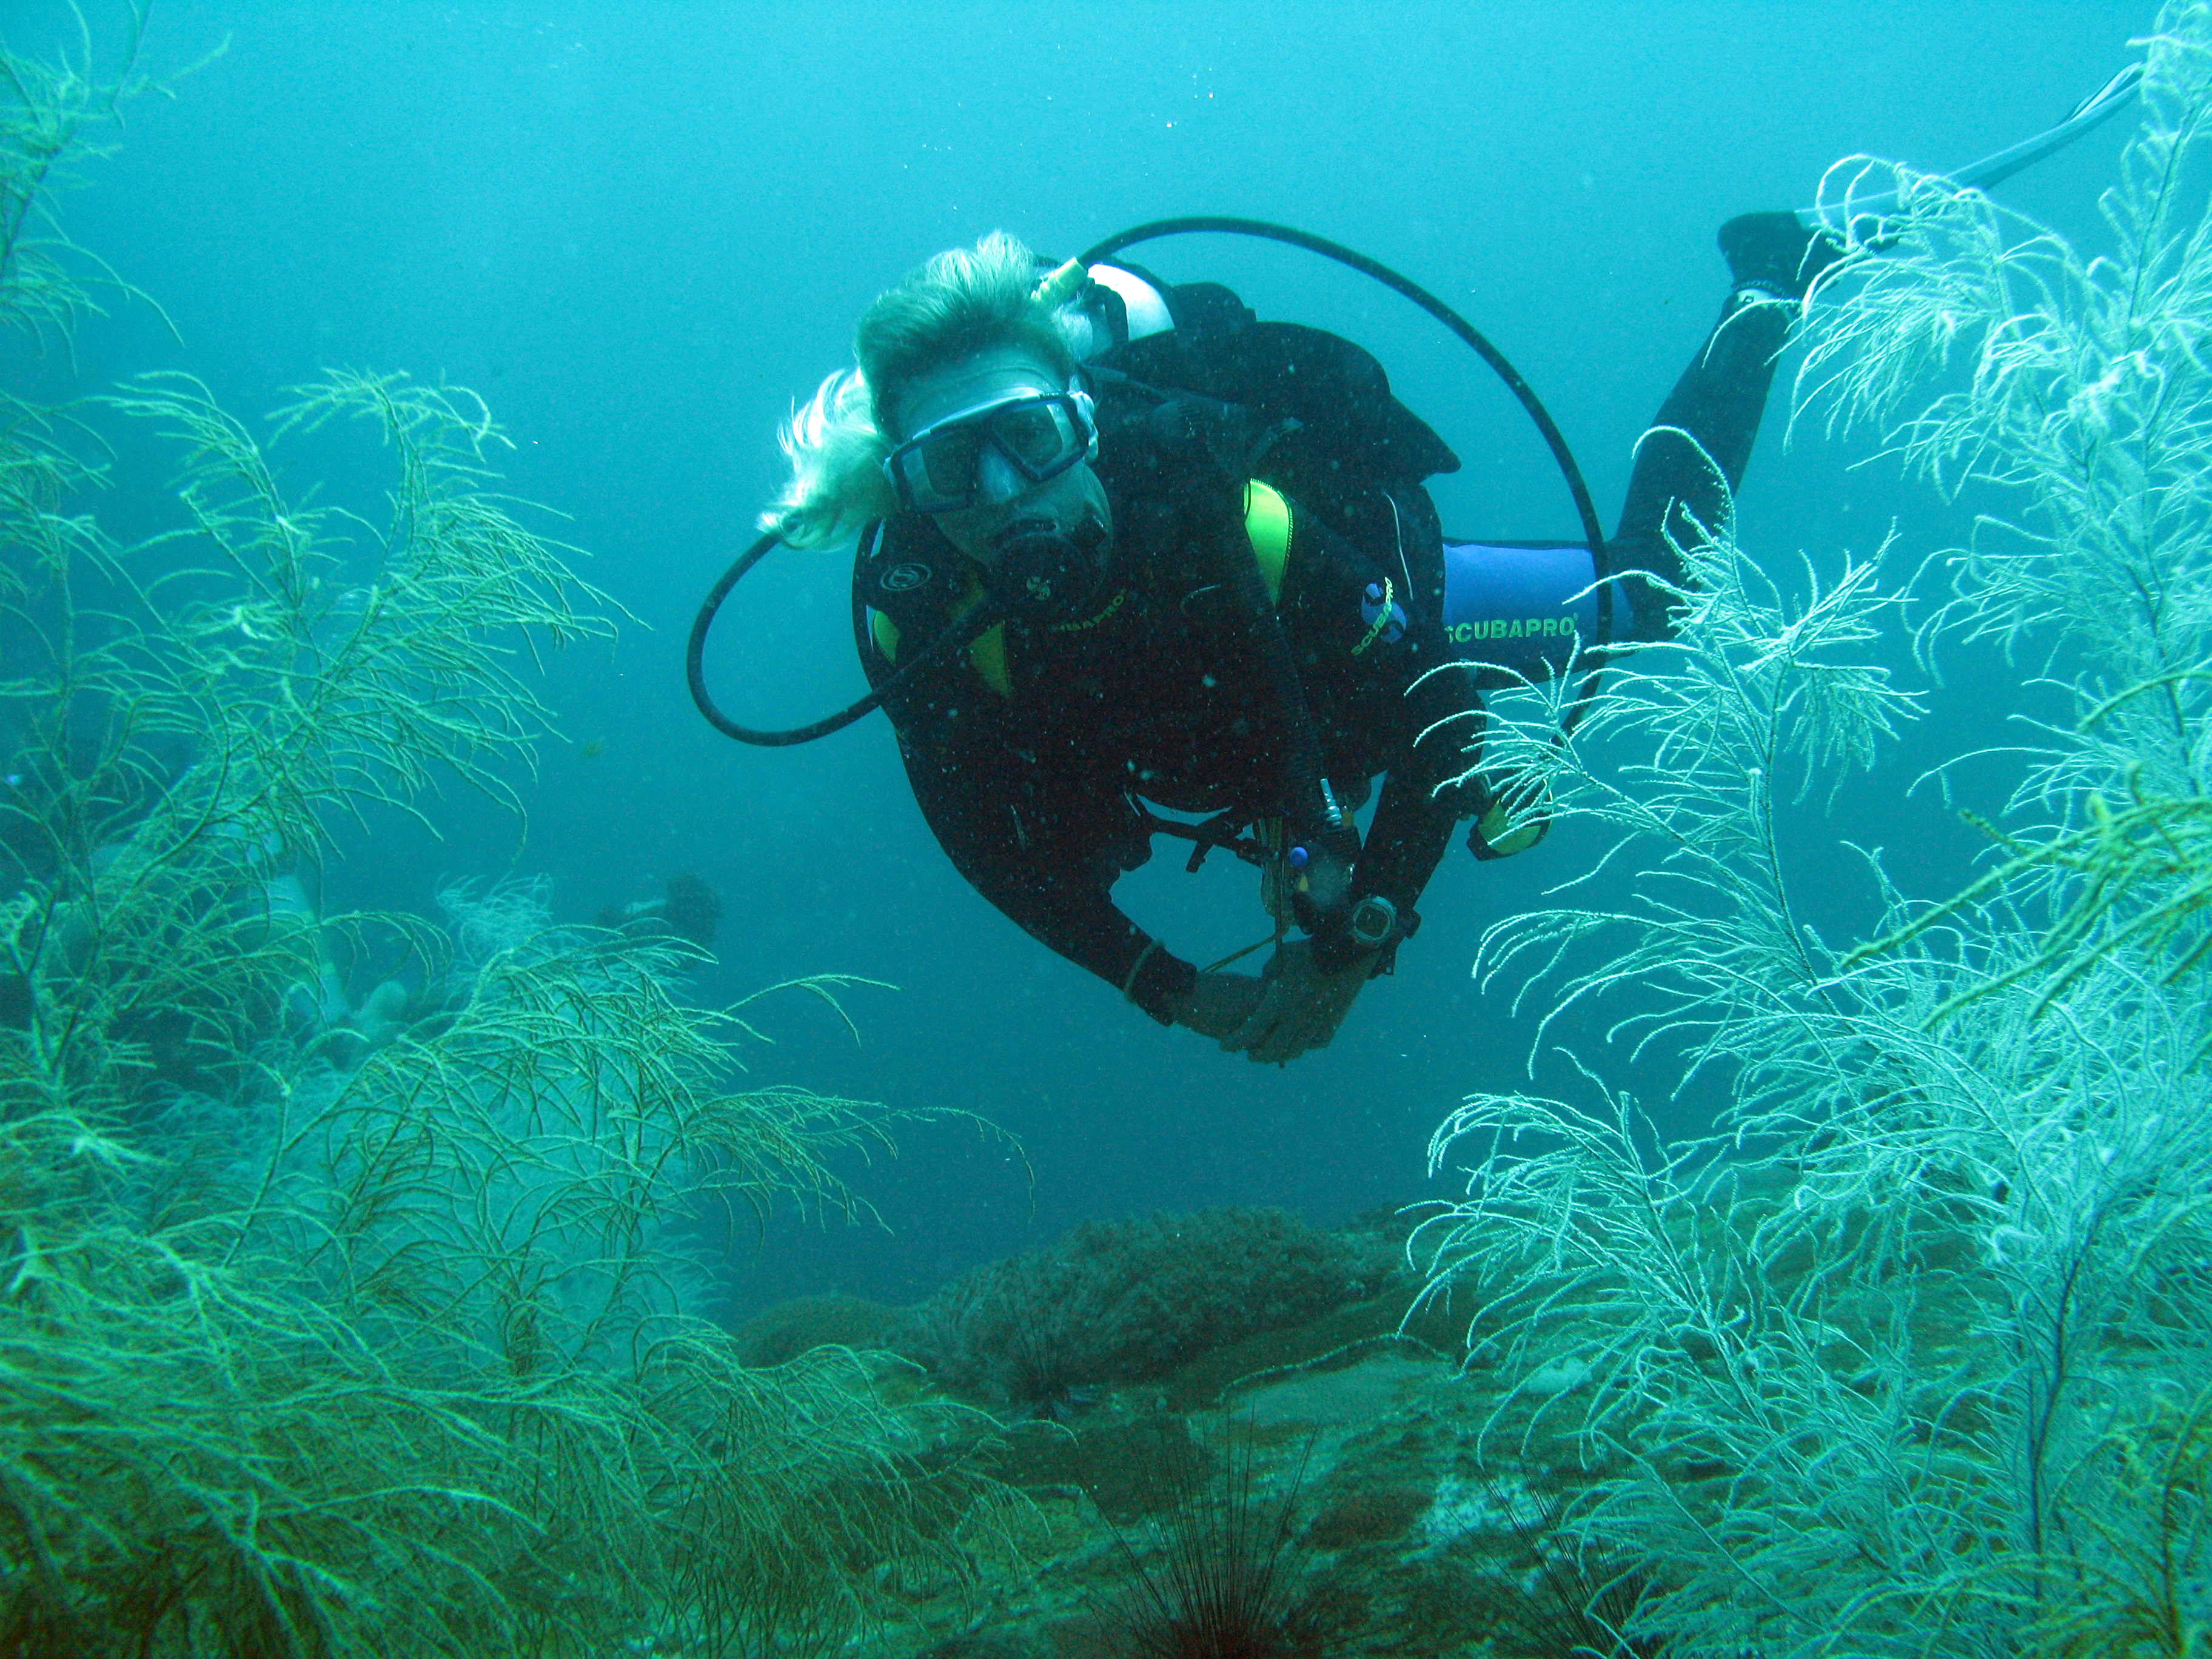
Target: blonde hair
(964, 301)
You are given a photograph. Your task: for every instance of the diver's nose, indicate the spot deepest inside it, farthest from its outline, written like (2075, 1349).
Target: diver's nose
(997, 479)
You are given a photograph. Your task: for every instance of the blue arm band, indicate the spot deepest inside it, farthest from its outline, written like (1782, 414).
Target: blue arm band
(1520, 606)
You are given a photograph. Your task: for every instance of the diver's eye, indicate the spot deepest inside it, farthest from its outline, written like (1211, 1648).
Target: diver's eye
(1036, 435)
(948, 461)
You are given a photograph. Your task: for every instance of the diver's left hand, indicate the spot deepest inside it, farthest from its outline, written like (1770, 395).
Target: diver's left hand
(1301, 1006)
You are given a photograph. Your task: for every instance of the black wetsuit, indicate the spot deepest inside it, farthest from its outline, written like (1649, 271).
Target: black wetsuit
(1033, 784)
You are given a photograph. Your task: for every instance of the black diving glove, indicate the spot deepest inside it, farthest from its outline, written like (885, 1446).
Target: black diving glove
(1218, 1003)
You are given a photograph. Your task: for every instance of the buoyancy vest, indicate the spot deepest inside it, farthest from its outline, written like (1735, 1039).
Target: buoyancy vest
(1327, 431)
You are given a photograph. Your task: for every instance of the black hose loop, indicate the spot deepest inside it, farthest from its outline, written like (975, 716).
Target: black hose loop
(959, 634)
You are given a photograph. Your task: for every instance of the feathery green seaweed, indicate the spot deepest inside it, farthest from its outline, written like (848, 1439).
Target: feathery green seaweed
(1908, 1355)
(348, 1320)
(2078, 405)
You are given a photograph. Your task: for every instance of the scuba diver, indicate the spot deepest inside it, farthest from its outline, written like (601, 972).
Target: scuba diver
(1165, 554)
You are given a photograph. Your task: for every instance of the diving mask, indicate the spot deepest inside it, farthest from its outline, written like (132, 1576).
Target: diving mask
(1041, 434)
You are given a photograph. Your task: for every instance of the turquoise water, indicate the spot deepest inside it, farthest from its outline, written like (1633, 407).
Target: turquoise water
(640, 232)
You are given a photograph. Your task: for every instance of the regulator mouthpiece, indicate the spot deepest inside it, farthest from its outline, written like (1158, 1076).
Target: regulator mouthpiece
(1043, 574)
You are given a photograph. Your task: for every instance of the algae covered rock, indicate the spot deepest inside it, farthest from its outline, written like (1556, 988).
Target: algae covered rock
(778, 1334)
(1125, 1301)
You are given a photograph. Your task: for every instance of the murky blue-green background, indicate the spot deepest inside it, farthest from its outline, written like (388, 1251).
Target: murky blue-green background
(639, 230)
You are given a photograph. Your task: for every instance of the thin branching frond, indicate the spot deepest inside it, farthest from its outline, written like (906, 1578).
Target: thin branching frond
(1909, 1355)
(2076, 396)
(1757, 692)
(345, 1301)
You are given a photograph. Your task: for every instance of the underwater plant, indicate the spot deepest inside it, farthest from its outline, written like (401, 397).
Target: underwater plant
(2143, 1547)
(1892, 1361)
(335, 1324)
(2078, 409)
(54, 117)
(1580, 1607)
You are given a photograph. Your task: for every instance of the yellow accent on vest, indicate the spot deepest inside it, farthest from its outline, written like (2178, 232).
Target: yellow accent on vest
(1267, 527)
(988, 653)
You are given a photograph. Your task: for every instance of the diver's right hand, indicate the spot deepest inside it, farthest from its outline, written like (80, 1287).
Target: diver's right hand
(1219, 1004)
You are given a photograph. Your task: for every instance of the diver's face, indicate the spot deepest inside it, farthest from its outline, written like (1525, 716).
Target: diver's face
(1004, 497)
